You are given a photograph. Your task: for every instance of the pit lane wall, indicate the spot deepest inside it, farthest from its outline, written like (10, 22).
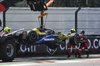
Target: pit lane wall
(94, 47)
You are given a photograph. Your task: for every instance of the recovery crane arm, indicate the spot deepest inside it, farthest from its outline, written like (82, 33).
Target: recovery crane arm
(35, 5)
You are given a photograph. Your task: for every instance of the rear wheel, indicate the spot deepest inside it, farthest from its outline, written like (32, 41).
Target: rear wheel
(8, 51)
(32, 36)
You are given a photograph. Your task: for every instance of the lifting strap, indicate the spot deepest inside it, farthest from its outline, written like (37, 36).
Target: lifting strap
(42, 16)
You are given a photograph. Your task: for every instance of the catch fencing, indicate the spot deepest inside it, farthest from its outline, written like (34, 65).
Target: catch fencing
(61, 19)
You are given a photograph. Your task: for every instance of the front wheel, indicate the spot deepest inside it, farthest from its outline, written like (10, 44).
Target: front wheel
(7, 50)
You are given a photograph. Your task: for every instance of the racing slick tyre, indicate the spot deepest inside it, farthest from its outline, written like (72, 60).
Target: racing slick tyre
(32, 36)
(8, 51)
(76, 39)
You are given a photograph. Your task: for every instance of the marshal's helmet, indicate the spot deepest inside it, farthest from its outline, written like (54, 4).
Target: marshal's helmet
(82, 32)
(7, 29)
(73, 30)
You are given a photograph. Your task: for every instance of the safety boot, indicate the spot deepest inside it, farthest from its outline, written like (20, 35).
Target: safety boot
(68, 55)
(75, 55)
(79, 55)
(87, 55)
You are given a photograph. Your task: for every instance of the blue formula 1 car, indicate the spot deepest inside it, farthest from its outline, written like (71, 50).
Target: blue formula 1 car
(52, 39)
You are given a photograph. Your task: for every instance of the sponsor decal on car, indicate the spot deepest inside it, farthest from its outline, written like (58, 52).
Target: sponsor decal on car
(49, 39)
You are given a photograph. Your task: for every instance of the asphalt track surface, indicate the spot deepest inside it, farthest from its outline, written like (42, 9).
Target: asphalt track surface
(93, 60)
